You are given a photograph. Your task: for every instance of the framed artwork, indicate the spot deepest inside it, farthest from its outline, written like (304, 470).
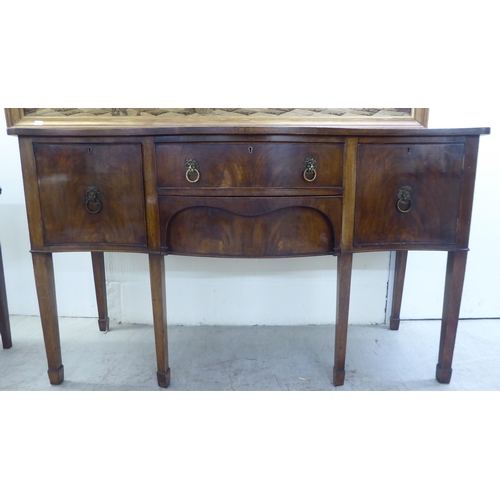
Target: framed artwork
(349, 117)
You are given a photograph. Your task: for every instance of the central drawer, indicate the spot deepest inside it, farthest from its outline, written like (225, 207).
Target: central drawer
(241, 226)
(250, 165)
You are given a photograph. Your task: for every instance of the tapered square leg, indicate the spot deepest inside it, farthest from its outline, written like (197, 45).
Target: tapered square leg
(4, 310)
(397, 292)
(158, 295)
(455, 275)
(46, 291)
(100, 290)
(344, 271)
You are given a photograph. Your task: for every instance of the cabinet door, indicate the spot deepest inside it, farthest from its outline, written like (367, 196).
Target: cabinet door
(91, 193)
(407, 193)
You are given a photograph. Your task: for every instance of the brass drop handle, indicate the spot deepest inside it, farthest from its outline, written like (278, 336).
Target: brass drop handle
(192, 172)
(405, 203)
(310, 167)
(93, 200)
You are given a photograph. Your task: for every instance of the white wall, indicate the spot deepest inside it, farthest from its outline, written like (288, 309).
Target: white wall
(287, 291)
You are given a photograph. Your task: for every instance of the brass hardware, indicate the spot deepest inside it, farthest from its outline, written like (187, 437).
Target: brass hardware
(93, 200)
(310, 167)
(192, 170)
(250, 149)
(405, 203)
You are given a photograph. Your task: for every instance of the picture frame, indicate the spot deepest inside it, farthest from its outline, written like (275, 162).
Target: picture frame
(131, 117)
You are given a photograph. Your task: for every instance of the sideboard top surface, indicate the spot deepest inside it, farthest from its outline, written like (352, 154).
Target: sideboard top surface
(30, 127)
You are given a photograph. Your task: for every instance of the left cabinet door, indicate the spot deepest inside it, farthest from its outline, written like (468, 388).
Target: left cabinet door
(91, 194)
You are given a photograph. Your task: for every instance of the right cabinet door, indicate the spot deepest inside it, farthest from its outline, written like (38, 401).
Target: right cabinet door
(407, 194)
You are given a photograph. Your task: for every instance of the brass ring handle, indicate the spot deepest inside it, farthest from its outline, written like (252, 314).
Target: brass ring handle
(404, 206)
(192, 169)
(93, 200)
(311, 173)
(310, 167)
(405, 203)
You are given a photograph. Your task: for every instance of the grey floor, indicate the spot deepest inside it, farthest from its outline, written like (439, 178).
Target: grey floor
(259, 358)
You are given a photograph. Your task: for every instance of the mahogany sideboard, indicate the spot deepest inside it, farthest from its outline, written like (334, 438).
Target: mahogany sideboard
(257, 191)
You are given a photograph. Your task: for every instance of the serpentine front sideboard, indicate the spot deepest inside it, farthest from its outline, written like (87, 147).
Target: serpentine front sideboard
(257, 190)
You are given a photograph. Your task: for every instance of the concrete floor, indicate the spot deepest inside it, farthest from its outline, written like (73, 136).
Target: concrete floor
(259, 358)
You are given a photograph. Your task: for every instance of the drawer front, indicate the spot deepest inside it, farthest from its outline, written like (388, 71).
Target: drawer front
(250, 226)
(408, 193)
(256, 165)
(91, 193)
